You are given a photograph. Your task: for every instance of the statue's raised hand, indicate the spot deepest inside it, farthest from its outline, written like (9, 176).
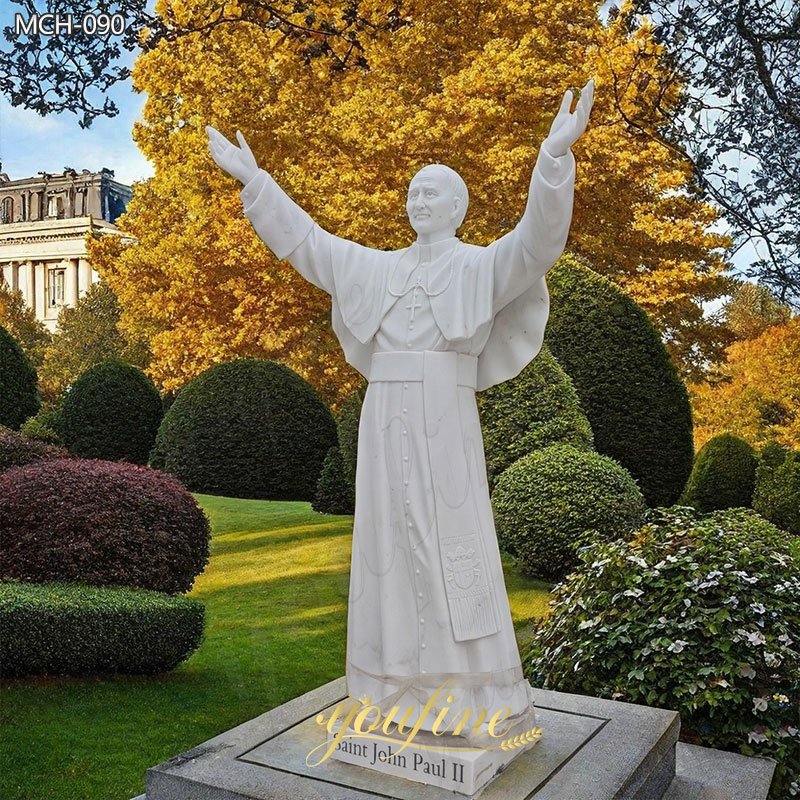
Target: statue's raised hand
(568, 126)
(239, 162)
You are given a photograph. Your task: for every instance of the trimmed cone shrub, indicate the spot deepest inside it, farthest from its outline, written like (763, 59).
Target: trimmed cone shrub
(777, 490)
(696, 613)
(334, 493)
(723, 475)
(249, 428)
(74, 629)
(100, 522)
(629, 388)
(555, 500)
(111, 412)
(347, 431)
(19, 393)
(16, 450)
(537, 408)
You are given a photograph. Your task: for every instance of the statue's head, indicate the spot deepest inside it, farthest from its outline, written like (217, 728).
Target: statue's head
(437, 200)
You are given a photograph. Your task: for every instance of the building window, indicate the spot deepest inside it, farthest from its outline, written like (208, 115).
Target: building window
(55, 207)
(7, 210)
(55, 286)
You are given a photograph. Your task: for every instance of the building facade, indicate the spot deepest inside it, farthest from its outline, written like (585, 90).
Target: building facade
(43, 225)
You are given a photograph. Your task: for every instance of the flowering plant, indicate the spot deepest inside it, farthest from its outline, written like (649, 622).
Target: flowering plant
(698, 613)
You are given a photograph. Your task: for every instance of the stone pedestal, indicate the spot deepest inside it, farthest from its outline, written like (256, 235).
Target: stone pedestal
(590, 749)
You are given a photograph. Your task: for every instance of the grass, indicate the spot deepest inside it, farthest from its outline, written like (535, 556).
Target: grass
(276, 600)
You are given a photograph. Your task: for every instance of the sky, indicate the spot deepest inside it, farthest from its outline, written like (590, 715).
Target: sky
(30, 143)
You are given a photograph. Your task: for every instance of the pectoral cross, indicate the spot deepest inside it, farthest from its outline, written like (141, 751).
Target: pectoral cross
(413, 305)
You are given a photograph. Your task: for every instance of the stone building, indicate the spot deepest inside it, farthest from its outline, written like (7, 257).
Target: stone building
(43, 225)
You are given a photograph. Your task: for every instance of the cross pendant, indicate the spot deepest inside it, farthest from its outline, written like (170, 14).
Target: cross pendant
(414, 305)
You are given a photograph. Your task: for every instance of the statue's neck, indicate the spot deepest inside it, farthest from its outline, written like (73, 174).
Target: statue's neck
(434, 238)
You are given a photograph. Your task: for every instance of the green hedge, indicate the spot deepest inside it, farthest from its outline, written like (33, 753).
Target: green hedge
(347, 423)
(44, 426)
(558, 499)
(111, 412)
(777, 489)
(248, 428)
(74, 629)
(537, 408)
(19, 392)
(697, 613)
(723, 475)
(629, 388)
(334, 494)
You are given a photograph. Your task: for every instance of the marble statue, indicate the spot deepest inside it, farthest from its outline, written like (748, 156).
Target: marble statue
(428, 325)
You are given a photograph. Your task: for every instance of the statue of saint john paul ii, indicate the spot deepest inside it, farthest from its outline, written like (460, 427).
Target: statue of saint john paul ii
(428, 325)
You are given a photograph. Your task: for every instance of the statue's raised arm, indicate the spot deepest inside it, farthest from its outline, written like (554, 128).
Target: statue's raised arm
(279, 222)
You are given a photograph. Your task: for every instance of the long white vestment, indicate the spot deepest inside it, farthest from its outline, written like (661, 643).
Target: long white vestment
(427, 326)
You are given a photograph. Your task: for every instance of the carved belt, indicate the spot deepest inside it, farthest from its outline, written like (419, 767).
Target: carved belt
(465, 569)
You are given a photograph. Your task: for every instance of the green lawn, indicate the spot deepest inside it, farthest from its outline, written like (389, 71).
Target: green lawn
(276, 596)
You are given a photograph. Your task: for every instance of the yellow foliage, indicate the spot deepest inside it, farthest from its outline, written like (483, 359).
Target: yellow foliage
(472, 85)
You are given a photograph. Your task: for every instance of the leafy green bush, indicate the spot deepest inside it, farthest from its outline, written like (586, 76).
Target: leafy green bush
(537, 408)
(629, 389)
(777, 490)
(697, 613)
(100, 522)
(45, 425)
(17, 449)
(111, 412)
(19, 393)
(558, 499)
(249, 428)
(723, 475)
(74, 629)
(334, 493)
(347, 430)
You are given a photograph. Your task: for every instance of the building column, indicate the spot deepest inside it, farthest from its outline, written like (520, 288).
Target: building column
(11, 275)
(40, 283)
(84, 276)
(71, 283)
(29, 284)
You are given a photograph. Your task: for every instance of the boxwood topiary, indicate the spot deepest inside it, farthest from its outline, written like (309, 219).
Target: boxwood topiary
(100, 522)
(723, 475)
(248, 428)
(629, 388)
(75, 629)
(19, 392)
(777, 489)
(17, 449)
(537, 408)
(111, 412)
(697, 613)
(556, 500)
(334, 493)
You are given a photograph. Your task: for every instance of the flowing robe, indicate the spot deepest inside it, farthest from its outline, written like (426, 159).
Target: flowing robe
(428, 325)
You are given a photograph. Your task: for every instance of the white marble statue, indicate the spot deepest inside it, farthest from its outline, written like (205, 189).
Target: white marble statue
(427, 325)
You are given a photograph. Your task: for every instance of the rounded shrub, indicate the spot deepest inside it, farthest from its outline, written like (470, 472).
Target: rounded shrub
(100, 522)
(537, 408)
(17, 449)
(45, 425)
(696, 613)
(249, 428)
(75, 629)
(558, 499)
(629, 388)
(777, 489)
(334, 493)
(723, 475)
(19, 392)
(347, 423)
(111, 412)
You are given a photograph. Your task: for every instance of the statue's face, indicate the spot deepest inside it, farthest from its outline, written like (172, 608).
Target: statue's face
(431, 205)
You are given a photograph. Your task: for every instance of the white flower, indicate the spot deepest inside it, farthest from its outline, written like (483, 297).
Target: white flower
(715, 573)
(753, 638)
(633, 593)
(786, 639)
(677, 646)
(759, 704)
(732, 601)
(640, 562)
(687, 602)
(755, 736)
(758, 608)
(672, 559)
(663, 621)
(772, 659)
(746, 671)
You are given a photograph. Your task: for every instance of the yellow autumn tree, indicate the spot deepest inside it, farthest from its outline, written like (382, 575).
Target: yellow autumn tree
(472, 85)
(756, 392)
